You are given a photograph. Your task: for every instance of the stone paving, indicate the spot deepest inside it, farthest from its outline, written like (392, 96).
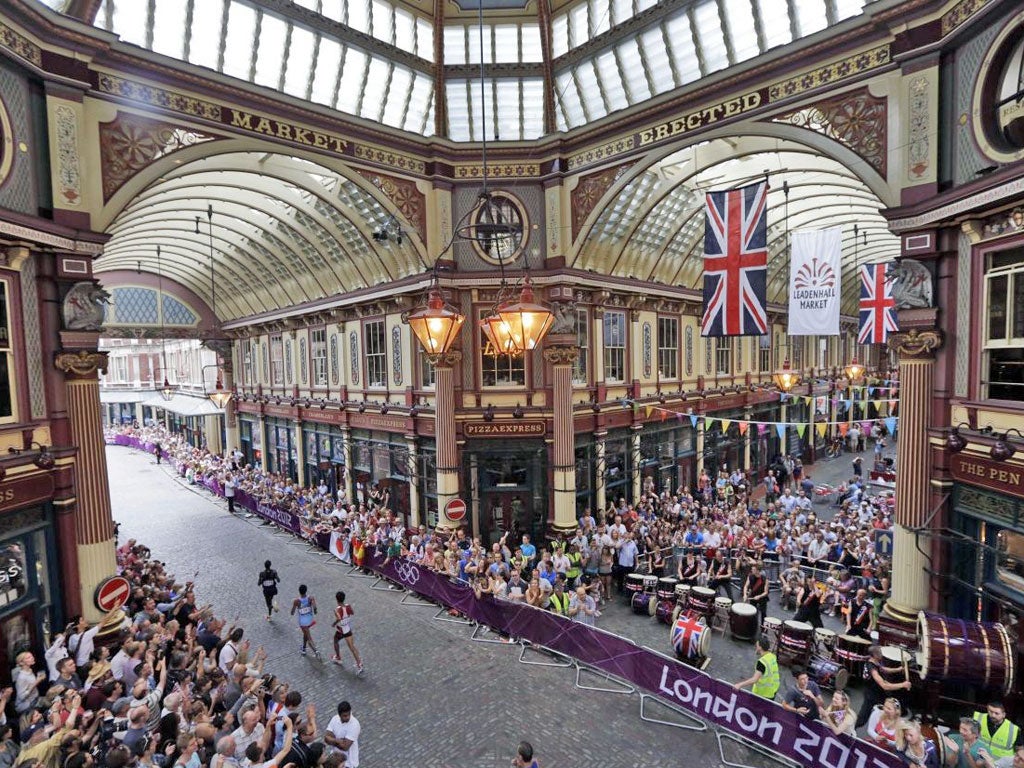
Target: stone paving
(429, 696)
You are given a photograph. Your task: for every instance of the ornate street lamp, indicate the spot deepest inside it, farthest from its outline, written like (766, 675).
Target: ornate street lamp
(527, 322)
(854, 371)
(786, 378)
(220, 396)
(436, 325)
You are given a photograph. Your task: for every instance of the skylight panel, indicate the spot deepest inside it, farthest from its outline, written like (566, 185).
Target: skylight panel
(473, 44)
(326, 76)
(611, 81)
(130, 20)
(269, 59)
(238, 48)
(424, 39)
(419, 103)
(533, 107)
(405, 30)
(352, 77)
(382, 18)
(710, 36)
(681, 46)
(509, 113)
(569, 100)
(169, 28)
(300, 61)
(373, 88)
(506, 43)
(811, 16)
(633, 71)
(560, 35)
(530, 38)
(455, 44)
(600, 17)
(204, 46)
(398, 96)
(358, 15)
(847, 8)
(579, 25)
(656, 56)
(589, 90)
(740, 16)
(776, 22)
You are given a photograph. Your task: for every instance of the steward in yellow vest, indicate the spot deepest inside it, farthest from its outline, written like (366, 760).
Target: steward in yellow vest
(998, 735)
(765, 681)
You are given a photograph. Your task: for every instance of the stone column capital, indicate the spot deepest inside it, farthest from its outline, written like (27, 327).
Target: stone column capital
(81, 364)
(445, 359)
(561, 355)
(914, 344)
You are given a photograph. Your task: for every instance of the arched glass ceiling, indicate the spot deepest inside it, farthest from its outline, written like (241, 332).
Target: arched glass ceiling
(376, 58)
(654, 228)
(285, 231)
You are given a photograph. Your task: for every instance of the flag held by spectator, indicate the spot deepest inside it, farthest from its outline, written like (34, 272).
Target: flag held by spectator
(736, 262)
(815, 279)
(877, 307)
(339, 546)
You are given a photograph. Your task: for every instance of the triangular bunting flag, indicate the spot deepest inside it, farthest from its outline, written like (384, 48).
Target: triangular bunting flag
(664, 414)
(871, 391)
(843, 428)
(647, 411)
(801, 428)
(693, 421)
(821, 427)
(725, 424)
(890, 424)
(708, 421)
(892, 404)
(761, 429)
(865, 426)
(743, 427)
(781, 429)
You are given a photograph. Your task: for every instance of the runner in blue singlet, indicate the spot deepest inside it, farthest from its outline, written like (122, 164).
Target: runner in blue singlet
(305, 605)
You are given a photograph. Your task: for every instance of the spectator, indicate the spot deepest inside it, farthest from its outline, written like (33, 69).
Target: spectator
(524, 756)
(805, 698)
(343, 734)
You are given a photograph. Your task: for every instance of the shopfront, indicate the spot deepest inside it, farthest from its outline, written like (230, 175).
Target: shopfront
(380, 463)
(765, 443)
(282, 454)
(668, 456)
(324, 455)
(724, 445)
(30, 596)
(250, 438)
(619, 465)
(987, 542)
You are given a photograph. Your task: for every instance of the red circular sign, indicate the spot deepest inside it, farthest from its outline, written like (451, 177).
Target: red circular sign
(112, 593)
(455, 509)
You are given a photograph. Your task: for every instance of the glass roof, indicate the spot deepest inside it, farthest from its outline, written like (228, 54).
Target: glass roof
(376, 58)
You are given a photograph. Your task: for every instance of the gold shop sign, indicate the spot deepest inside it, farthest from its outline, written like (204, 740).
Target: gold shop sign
(279, 130)
(998, 476)
(702, 118)
(517, 428)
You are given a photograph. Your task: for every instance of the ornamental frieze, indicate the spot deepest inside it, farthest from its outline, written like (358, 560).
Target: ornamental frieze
(831, 73)
(20, 45)
(915, 343)
(404, 195)
(960, 13)
(82, 363)
(498, 171)
(590, 189)
(856, 119)
(130, 143)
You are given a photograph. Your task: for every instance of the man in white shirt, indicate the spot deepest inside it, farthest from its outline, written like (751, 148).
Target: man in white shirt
(343, 734)
(251, 730)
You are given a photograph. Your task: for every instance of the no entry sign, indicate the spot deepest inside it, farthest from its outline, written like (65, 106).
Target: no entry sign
(455, 509)
(112, 593)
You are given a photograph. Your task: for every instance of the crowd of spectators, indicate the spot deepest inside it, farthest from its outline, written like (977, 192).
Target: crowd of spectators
(164, 683)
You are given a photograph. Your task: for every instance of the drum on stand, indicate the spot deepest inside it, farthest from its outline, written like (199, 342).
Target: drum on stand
(666, 611)
(827, 673)
(963, 651)
(892, 632)
(634, 584)
(683, 595)
(795, 642)
(852, 652)
(771, 628)
(644, 604)
(650, 584)
(691, 638)
(667, 587)
(743, 621)
(723, 605)
(824, 643)
(702, 600)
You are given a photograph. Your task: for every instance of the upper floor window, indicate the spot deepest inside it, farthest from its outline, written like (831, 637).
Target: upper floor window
(499, 370)
(723, 356)
(580, 367)
(426, 368)
(276, 361)
(318, 348)
(6, 357)
(1003, 364)
(250, 351)
(376, 354)
(615, 346)
(668, 348)
(764, 354)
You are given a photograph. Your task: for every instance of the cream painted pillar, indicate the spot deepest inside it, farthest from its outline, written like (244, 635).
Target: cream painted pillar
(230, 417)
(561, 356)
(700, 448)
(412, 470)
(94, 526)
(748, 437)
(447, 449)
(600, 500)
(346, 451)
(300, 453)
(910, 582)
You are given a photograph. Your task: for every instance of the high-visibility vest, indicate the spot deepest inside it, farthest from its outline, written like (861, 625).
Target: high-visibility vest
(768, 685)
(1000, 743)
(574, 566)
(560, 607)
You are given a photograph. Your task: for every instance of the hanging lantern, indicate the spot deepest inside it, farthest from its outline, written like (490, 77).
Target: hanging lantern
(786, 378)
(527, 321)
(436, 325)
(220, 396)
(498, 331)
(167, 390)
(854, 371)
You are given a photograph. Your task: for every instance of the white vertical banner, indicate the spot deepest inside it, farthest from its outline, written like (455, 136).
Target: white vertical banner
(815, 278)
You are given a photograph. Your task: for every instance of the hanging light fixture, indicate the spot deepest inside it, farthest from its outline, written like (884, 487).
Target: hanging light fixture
(786, 378)
(527, 321)
(437, 324)
(220, 397)
(167, 389)
(956, 442)
(854, 371)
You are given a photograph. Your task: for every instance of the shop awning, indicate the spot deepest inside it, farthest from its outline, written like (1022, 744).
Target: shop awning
(121, 396)
(183, 405)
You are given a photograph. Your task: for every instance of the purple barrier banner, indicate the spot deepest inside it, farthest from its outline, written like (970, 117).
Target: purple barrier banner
(809, 743)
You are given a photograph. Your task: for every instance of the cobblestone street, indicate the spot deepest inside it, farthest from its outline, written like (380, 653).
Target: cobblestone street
(429, 697)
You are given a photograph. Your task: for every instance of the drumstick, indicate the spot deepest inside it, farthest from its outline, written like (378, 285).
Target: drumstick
(906, 668)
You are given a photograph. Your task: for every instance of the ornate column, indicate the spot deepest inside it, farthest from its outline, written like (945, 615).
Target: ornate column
(300, 452)
(347, 490)
(700, 448)
(94, 526)
(230, 417)
(910, 582)
(447, 449)
(636, 459)
(412, 470)
(600, 500)
(561, 354)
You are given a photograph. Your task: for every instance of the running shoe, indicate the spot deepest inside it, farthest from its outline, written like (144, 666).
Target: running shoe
(303, 651)
(359, 669)
(318, 656)
(337, 660)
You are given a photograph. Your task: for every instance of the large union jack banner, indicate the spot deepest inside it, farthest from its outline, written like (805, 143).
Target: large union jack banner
(877, 307)
(735, 262)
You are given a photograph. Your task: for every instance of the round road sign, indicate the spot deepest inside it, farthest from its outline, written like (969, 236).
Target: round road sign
(455, 509)
(112, 593)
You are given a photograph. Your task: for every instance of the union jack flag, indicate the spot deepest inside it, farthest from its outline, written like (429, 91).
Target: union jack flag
(877, 307)
(735, 262)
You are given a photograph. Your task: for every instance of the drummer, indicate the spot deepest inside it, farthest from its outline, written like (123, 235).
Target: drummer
(755, 591)
(875, 685)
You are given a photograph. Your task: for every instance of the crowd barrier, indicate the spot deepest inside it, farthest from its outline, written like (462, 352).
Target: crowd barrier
(749, 717)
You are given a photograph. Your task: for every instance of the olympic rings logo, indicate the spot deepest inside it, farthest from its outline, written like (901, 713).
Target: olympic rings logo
(407, 572)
